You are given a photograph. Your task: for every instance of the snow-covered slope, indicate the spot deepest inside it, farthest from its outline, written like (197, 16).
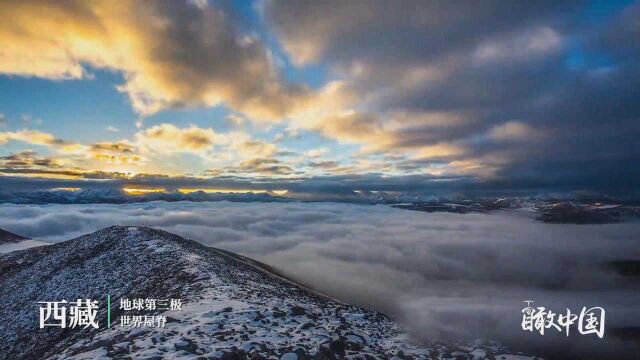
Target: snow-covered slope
(233, 307)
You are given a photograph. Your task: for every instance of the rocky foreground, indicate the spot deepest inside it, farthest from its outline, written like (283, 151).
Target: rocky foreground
(233, 307)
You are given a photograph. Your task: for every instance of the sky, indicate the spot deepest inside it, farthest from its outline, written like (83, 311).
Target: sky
(331, 95)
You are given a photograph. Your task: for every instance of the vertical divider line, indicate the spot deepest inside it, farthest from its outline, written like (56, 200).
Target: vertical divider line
(109, 311)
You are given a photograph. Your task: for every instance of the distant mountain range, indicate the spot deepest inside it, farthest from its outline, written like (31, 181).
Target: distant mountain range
(119, 196)
(550, 211)
(551, 208)
(233, 307)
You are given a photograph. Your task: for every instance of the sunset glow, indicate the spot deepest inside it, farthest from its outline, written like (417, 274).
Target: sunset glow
(105, 91)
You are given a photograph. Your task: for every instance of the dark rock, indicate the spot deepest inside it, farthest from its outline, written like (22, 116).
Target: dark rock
(337, 346)
(190, 347)
(298, 310)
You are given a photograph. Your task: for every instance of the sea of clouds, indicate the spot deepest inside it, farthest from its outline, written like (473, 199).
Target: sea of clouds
(445, 276)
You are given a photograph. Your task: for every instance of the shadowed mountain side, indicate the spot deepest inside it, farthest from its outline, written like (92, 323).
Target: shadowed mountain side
(9, 237)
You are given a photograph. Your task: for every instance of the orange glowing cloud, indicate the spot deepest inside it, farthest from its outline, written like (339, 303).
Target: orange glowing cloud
(147, 42)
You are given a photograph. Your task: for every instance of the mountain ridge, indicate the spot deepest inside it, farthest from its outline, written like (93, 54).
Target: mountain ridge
(234, 309)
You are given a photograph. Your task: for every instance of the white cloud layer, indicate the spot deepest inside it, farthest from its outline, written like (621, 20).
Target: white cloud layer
(443, 275)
